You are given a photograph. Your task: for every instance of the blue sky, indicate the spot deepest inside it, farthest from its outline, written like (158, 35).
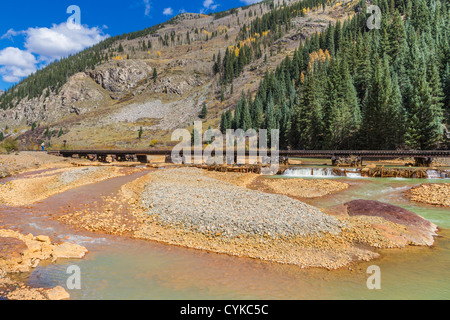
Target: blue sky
(34, 33)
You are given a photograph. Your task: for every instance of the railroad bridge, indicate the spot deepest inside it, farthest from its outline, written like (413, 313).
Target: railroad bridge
(422, 157)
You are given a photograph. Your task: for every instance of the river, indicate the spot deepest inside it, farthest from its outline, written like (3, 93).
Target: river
(122, 268)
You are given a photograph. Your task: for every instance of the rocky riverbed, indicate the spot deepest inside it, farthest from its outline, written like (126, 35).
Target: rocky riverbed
(21, 253)
(187, 207)
(434, 194)
(194, 208)
(245, 215)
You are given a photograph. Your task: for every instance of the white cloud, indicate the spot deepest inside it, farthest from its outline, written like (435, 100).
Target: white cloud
(61, 40)
(10, 34)
(210, 5)
(247, 2)
(44, 45)
(16, 64)
(168, 11)
(147, 7)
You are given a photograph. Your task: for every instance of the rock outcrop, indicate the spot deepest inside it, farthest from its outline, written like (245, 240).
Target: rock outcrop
(21, 253)
(120, 76)
(78, 96)
(416, 231)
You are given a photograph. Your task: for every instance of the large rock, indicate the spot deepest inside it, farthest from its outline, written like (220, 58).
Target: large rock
(21, 253)
(11, 255)
(69, 251)
(120, 76)
(57, 293)
(418, 231)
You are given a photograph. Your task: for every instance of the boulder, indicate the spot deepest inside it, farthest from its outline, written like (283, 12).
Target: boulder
(43, 239)
(69, 251)
(57, 293)
(11, 255)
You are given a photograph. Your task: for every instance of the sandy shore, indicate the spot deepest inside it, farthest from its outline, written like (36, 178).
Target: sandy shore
(301, 188)
(434, 194)
(295, 188)
(14, 164)
(29, 189)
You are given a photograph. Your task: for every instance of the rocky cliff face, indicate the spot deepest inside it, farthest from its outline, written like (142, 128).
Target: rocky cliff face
(83, 92)
(49, 109)
(118, 77)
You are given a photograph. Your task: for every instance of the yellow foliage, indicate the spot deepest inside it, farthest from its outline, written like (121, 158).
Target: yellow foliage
(318, 56)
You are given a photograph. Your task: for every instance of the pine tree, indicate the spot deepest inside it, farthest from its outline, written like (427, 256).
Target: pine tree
(257, 113)
(155, 75)
(204, 111)
(424, 130)
(269, 121)
(446, 86)
(246, 120)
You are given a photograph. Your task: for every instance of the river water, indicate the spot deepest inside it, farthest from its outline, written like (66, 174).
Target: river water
(118, 268)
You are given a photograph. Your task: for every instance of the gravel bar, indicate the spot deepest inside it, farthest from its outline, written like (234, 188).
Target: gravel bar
(187, 199)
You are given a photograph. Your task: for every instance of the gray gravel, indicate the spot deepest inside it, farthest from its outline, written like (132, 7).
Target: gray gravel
(187, 199)
(71, 176)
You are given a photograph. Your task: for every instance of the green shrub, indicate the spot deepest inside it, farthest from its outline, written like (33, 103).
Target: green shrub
(10, 145)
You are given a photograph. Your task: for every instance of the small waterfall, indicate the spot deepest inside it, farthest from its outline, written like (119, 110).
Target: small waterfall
(309, 172)
(434, 174)
(353, 174)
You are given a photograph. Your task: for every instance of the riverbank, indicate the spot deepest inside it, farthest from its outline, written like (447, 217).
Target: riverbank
(21, 253)
(31, 188)
(434, 194)
(16, 163)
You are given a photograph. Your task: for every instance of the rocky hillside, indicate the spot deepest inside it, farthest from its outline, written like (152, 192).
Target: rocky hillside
(159, 81)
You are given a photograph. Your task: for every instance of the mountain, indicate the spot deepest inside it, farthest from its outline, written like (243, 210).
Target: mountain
(310, 68)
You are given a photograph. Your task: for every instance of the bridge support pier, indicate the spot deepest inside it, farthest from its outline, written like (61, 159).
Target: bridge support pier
(423, 161)
(142, 158)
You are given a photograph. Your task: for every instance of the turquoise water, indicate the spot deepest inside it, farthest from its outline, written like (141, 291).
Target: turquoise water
(132, 269)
